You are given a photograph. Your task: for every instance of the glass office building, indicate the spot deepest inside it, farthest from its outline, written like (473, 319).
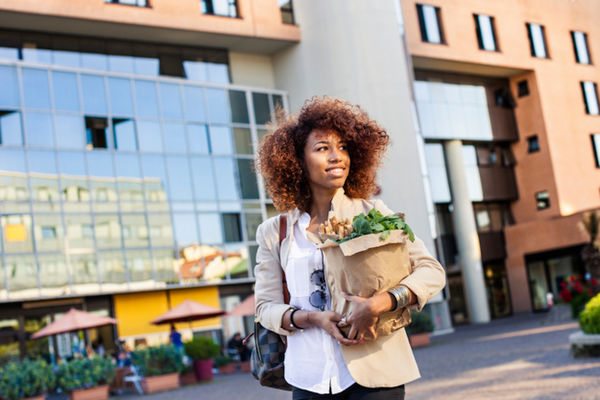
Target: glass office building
(124, 173)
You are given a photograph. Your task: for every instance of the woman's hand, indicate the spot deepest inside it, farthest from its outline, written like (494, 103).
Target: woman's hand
(328, 321)
(365, 313)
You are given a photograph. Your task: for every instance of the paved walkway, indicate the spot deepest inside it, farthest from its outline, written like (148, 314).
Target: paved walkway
(522, 357)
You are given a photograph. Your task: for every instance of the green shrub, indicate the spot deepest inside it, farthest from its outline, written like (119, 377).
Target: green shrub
(202, 348)
(421, 323)
(26, 378)
(589, 319)
(85, 373)
(158, 360)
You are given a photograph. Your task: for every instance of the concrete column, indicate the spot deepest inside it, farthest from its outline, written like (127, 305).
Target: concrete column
(465, 230)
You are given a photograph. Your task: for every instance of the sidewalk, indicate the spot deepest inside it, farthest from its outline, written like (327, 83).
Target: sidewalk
(521, 357)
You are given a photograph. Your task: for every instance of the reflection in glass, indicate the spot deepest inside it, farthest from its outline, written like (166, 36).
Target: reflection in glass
(135, 230)
(45, 193)
(108, 231)
(112, 268)
(80, 232)
(227, 177)
(120, 97)
(149, 138)
(211, 230)
(262, 113)
(239, 108)
(252, 223)
(195, 70)
(94, 61)
(146, 100)
(170, 101)
(11, 133)
(217, 103)
(119, 63)
(94, 98)
(217, 72)
(75, 194)
(232, 227)
(131, 194)
(237, 261)
(243, 141)
(104, 195)
(22, 276)
(70, 132)
(247, 179)
(99, 164)
(165, 266)
(35, 88)
(64, 88)
(194, 104)
(12, 160)
(185, 229)
(139, 266)
(84, 272)
(127, 165)
(203, 179)
(161, 229)
(179, 179)
(48, 232)
(71, 163)
(198, 138)
(54, 277)
(277, 102)
(16, 233)
(38, 129)
(221, 141)
(66, 58)
(9, 95)
(124, 134)
(174, 138)
(146, 66)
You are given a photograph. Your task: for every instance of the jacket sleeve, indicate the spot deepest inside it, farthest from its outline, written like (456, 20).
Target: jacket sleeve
(427, 277)
(268, 290)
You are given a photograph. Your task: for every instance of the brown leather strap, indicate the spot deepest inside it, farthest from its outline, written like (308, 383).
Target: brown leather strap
(282, 235)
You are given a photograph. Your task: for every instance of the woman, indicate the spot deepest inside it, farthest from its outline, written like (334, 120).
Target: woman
(325, 160)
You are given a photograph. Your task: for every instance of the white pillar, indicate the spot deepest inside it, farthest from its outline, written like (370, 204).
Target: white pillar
(467, 238)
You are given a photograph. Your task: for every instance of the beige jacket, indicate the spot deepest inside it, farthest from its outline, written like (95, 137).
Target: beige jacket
(386, 362)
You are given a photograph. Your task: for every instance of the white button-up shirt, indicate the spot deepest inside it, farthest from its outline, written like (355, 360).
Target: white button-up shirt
(313, 359)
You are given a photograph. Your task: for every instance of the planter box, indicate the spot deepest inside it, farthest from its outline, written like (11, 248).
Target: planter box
(160, 383)
(187, 378)
(583, 344)
(419, 339)
(203, 370)
(95, 393)
(227, 369)
(245, 366)
(40, 397)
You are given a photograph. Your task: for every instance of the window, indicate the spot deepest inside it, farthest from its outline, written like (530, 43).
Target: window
(590, 97)
(124, 134)
(138, 3)
(542, 200)
(287, 11)
(533, 144)
(232, 227)
(581, 48)
(95, 129)
(10, 128)
(430, 23)
(492, 217)
(503, 98)
(596, 148)
(537, 40)
(486, 32)
(223, 8)
(523, 88)
(48, 232)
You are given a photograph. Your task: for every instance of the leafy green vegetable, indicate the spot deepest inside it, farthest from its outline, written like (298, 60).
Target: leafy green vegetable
(376, 222)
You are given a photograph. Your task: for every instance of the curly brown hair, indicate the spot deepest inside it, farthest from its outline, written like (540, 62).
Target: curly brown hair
(281, 154)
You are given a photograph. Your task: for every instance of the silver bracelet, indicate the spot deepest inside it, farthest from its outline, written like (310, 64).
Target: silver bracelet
(402, 296)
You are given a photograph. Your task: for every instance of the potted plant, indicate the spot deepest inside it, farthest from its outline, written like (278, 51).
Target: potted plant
(225, 364)
(86, 378)
(26, 379)
(187, 375)
(202, 350)
(419, 329)
(587, 341)
(577, 291)
(160, 367)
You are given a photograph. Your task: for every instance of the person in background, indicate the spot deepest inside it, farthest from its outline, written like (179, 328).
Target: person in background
(175, 338)
(237, 349)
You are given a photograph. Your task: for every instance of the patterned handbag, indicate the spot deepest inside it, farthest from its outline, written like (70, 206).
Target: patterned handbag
(266, 361)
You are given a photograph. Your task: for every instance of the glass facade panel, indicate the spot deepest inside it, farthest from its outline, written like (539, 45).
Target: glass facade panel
(124, 135)
(149, 137)
(38, 129)
(227, 178)
(197, 138)
(53, 275)
(135, 230)
(146, 99)
(252, 223)
(170, 101)
(217, 72)
(118, 63)
(9, 95)
(108, 231)
(166, 267)
(247, 179)
(194, 104)
(217, 105)
(16, 233)
(94, 98)
(139, 266)
(66, 58)
(121, 103)
(243, 141)
(262, 112)
(221, 141)
(66, 94)
(174, 135)
(84, 273)
(94, 61)
(161, 229)
(70, 132)
(112, 269)
(203, 178)
(211, 230)
(48, 232)
(11, 132)
(80, 233)
(35, 88)
(131, 195)
(179, 179)
(239, 107)
(127, 165)
(185, 229)
(22, 276)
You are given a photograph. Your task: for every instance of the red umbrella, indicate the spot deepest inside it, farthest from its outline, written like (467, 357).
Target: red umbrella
(188, 311)
(245, 308)
(74, 320)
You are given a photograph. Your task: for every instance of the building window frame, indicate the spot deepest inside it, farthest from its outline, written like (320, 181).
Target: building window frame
(430, 24)
(581, 47)
(523, 88)
(533, 144)
(132, 3)
(538, 42)
(485, 28)
(208, 8)
(589, 90)
(542, 200)
(596, 148)
(286, 7)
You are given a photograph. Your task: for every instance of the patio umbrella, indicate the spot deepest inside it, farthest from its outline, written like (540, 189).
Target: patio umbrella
(245, 308)
(187, 311)
(74, 320)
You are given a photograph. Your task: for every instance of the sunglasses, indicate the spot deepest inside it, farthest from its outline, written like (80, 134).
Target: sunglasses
(318, 298)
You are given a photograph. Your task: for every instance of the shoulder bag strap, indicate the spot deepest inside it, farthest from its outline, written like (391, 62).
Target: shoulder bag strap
(282, 235)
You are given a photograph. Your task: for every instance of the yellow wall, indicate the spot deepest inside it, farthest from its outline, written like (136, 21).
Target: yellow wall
(135, 311)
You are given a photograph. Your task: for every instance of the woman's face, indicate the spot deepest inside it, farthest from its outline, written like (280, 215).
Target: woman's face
(326, 158)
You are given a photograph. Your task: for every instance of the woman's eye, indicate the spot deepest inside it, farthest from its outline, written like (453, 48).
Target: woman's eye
(321, 148)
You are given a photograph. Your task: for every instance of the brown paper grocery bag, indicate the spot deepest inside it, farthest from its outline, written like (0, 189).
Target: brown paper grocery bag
(366, 266)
